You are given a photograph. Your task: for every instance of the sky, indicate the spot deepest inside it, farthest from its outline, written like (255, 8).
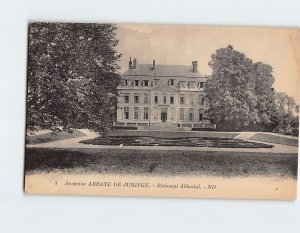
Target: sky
(180, 45)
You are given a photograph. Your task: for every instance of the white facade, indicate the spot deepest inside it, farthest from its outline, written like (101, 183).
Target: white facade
(151, 93)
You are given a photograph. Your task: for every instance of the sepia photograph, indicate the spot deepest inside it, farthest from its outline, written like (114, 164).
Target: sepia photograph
(155, 110)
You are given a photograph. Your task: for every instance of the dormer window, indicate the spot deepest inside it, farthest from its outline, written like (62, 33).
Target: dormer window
(182, 84)
(192, 85)
(146, 83)
(171, 82)
(136, 83)
(125, 82)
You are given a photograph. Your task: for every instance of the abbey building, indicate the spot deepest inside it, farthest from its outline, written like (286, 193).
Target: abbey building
(152, 93)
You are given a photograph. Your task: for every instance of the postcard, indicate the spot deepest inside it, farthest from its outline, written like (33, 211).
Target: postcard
(151, 110)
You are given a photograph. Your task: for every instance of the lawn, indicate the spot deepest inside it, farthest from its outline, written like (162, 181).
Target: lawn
(162, 163)
(53, 136)
(275, 138)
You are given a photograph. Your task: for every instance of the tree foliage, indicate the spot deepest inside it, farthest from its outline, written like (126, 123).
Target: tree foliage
(72, 75)
(240, 92)
(287, 110)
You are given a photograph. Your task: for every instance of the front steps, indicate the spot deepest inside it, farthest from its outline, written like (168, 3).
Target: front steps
(164, 126)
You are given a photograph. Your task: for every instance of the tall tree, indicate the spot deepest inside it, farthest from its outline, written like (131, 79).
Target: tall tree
(287, 111)
(72, 75)
(265, 97)
(240, 92)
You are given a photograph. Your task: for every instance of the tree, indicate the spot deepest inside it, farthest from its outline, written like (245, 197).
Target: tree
(297, 108)
(240, 92)
(285, 103)
(72, 75)
(287, 111)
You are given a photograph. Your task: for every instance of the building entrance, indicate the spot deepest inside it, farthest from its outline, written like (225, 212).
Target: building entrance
(164, 116)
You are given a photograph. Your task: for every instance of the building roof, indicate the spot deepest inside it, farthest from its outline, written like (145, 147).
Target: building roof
(163, 71)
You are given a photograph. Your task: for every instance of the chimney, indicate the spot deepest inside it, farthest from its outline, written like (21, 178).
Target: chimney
(195, 66)
(134, 64)
(153, 67)
(130, 64)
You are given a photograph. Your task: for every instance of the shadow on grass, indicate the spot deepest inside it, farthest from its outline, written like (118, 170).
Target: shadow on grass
(161, 163)
(53, 136)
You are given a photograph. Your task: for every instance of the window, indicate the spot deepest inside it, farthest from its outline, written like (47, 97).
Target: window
(181, 114)
(201, 100)
(192, 85)
(207, 113)
(165, 99)
(200, 114)
(172, 100)
(156, 82)
(126, 98)
(201, 84)
(136, 113)
(136, 98)
(191, 114)
(192, 99)
(136, 83)
(182, 84)
(181, 99)
(156, 99)
(172, 114)
(146, 83)
(126, 113)
(146, 98)
(125, 82)
(146, 113)
(171, 82)
(156, 114)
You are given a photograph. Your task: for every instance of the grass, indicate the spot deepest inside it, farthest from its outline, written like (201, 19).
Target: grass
(53, 136)
(278, 139)
(162, 163)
